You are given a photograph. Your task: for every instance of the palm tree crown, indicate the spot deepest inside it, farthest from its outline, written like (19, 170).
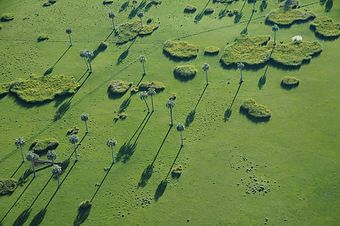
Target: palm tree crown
(180, 127)
(140, 14)
(68, 30)
(20, 142)
(143, 95)
(170, 104)
(84, 117)
(275, 28)
(142, 59)
(112, 15)
(151, 91)
(51, 155)
(205, 67)
(240, 65)
(56, 171)
(111, 143)
(31, 156)
(74, 139)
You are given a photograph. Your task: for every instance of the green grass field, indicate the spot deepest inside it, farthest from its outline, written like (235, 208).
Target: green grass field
(236, 171)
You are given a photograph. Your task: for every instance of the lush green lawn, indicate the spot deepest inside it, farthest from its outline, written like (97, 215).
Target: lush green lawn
(296, 150)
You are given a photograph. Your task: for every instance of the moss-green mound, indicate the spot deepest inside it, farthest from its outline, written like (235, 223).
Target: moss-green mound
(129, 31)
(294, 54)
(177, 172)
(158, 86)
(41, 147)
(119, 87)
(288, 17)
(190, 9)
(251, 50)
(211, 50)
(7, 186)
(4, 89)
(6, 17)
(180, 50)
(41, 89)
(325, 27)
(185, 72)
(289, 82)
(254, 111)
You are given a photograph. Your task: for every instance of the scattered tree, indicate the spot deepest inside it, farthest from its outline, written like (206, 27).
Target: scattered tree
(152, 93)
(69, 32)
(275, 28)
(112, 16)
(83, 55)
(32, 157)
(143, 96)
(111, 143)
(180, 129)
(56, 172)
(205, 68)
(74, 140)
(240, 66)
(51, 155)
(20, 143)
(170, 105)
(142, 59)
(85, 117)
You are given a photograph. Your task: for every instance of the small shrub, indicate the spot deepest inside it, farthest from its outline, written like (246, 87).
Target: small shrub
(119, 87)
(180, 50)
(324, 27)
(6, 17)
(190, 9)
(254, 111)
(208, 11)
(289, 17)
(107, 2)
(289, 82)
(7, 186)
(211, 50)
(42, 37)
(40, 147)
(102, 46)
(72, 131)
(158, 86)
(177, 172)
(131, 30)
(185, 72)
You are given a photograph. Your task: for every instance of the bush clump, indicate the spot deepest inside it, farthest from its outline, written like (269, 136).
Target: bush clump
(42, 37)
(211, 50)
(131, 30)
(288, 17)
(7, 186)
(41, 147)
(158, 86)
(83, 212)
(177, 171)
(289, 82)
(6, 17)
(185, 72)
(324, 27)
(180, 50)
(190, 9)
(209, 11)
(107, 2)
(254, 111)
(119, 87)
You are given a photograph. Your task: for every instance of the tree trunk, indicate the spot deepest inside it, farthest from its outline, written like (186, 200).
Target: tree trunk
(206, 77)
(22, 155)
(147, 105)
(90, 65)
(181, 133)
(75, 152)
(87, 66)
(70, 38)
(144, 73)
(153, 107)
(87, 129)
(171, 118)
(33, 168)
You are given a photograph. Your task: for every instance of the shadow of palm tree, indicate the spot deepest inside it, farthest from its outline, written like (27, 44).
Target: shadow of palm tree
(191, 116)
(22, 218)
(160, 189)
(124, 6)
(126, 151)
(83, 214)
(38, 218)
(228, 112)
(200, 15)
(61, 110)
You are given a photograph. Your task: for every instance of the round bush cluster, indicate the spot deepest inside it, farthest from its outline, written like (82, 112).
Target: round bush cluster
(185, 72)
(290, 82)
(255, 112)
(190, 9)
(211, 50)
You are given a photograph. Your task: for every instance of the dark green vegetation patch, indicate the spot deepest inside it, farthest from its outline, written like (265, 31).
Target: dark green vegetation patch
(185, 72)
(190, 9)
(211, 50)
(6, 17)
(289, 82)
(158, 86)
(119, 87)
(288, 17)
(254, 111)
(42, 37)
(7, 186)
(324, 27)
(41, 147)
(180, 50)
(131, 30)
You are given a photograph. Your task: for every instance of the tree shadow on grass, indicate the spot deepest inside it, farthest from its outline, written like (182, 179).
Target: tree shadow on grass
(38, 218)
(83, 214)
(228, 112)
(16, 170)
(125, 54)
(50, 70)
(135, 10)
(200, 15)
(22, 218)
(124, 6)
(191, 116)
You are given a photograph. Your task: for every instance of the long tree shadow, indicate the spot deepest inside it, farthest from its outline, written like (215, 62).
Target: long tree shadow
(16, 170)
(223, 11)
(191, 116)
(125, 54)
(263, 78)
(163, 184)
(245, 30)
(135, 10)
(228, 112)
(148, 171)
(200, 15)
(50, 70)
(140, 125)
(239, 15)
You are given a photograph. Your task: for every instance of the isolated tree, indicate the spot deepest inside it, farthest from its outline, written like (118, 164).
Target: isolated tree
(142, 59)
(205, 68)
(152, 93)
(240, 66)
(140, 16)
(143, 96)
(89, 55)
(112, 16)
(74, 140)
(51, 155)
(56, 172)
(83, 55)
(85, 117)
(20, 143)
(180, 128)
(170, 104)
(32, 157)
(275, 28)
(69, 32)
(111, 143)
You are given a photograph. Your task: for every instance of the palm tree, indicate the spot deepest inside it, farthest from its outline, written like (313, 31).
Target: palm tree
(152, 93)
(142, 59)
(85, 117)
(143, 96)
(275, 28)
(240, 66)
(51, 155)
(74, 140)
(206, 68)
(112, 16)
(89, 55)
(170, 105)
(83, 55)
(56, 172)
(32, 157)
(140, 15)
(20, 142)
(69, 32)
(111, 143)
(180, 129)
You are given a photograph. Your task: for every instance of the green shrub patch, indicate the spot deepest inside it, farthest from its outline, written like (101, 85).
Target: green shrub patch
(4, 89)
(211, 50)
(185, 72)
(180, 50)
(289, 82)
(208, 11)
(6, 17)
(288, 17)
(118, 87)
(7, 186)
(42, 37)
(254, 111)
(131, 30)
(41, 147)
(177, 172)
(190, 9)
(42, 89)
(324, 27)
(158, 86)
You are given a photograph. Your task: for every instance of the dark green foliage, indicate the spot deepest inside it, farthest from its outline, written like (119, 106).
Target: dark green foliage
(158, 86)
(263, 5)
(180, 50)
(64, 164)
(208, 11)
(177, 171)
(254, 111)
(41, 147)
(129, 31)
(185, 72)
(126, 151)
(8, 186)
(23, 178)
(190, 9)
(42, 37)
(38, 218)
(22, 218)
(190, 118)
(160, 189)
(289, 82)
(83, 212)
(107, 2)
(146, 175)
(329, 5)
(6, 17)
